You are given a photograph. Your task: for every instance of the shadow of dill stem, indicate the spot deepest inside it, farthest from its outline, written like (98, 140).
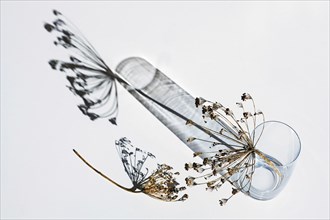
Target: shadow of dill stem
(88, 75)
(94, 83)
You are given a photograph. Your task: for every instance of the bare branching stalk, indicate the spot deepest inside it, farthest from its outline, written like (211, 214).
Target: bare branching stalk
(159, 184)
(103, 175)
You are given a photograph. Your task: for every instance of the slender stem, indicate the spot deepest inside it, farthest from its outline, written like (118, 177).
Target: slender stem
(232, 139)
(217, 143)
(104, 176)
(263, 127)
(254, 120)
(268, 161)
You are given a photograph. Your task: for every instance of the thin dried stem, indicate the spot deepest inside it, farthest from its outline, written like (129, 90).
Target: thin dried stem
(104, 176)
(235, 166)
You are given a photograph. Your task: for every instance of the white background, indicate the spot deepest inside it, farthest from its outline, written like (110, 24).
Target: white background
(276, 51)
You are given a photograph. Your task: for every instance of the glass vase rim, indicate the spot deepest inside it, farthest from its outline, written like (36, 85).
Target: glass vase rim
(299, 141)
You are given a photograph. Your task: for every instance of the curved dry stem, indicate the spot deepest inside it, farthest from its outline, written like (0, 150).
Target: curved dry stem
(262, 131)
(269, 162)
(104, 176)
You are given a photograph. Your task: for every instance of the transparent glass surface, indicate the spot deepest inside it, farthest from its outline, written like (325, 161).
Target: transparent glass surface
(173, 106)
(281, 144)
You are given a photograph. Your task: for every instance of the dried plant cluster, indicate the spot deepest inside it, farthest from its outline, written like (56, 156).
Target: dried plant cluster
(93, 81)
(234, 153)
(159, 183)
(235, 161)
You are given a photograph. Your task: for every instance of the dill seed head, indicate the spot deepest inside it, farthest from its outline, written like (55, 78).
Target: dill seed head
(191, 139)
(160, 184)
(234, 162)
(223, 202)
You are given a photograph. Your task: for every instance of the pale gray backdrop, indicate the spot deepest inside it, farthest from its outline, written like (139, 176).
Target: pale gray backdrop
(276, 51)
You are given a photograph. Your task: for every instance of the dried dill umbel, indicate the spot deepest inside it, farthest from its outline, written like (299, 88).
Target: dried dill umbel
(159, 183)
(234, 159)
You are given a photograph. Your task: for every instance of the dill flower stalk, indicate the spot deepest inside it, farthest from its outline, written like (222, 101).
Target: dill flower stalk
(234, 163)
(159, 183)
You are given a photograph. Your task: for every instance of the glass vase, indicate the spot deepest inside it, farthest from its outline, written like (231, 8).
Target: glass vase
(174, 107)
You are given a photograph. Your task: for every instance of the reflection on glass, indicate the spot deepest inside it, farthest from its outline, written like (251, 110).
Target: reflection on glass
(282, 145)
